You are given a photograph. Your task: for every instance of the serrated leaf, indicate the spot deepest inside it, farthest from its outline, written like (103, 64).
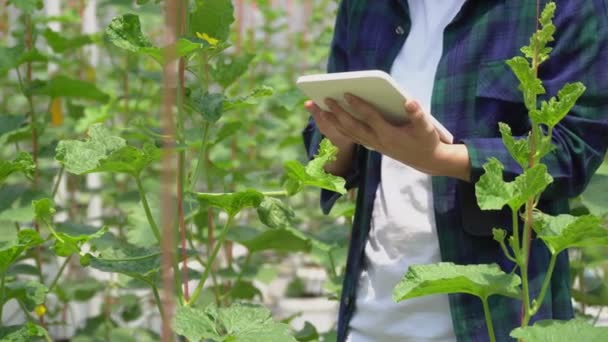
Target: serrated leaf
(553, 330)
(21, 333)
(566, 231)
(11, 250)
(66, 245)
(212, 17)
(247, 100)
(313, 174)
(63, 86)
(518, 149)
(237, 323)
(530, 84)
(275, 214)
(446, 277)
(44, 210)
(493, 193)
(60, 44)
(103, 152)
(30, 293)
(553, 111)
(23, 163)
(232, 203)
(229, 69)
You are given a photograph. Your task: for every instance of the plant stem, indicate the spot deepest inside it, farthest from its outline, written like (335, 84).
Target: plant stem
(210, 260)
(149, 216)
(59, 273)
(201, 161)
(539, 300)
(57, 182)
(158, 302)
(488, 314)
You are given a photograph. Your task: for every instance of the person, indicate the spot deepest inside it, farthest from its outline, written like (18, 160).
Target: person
(416, 201)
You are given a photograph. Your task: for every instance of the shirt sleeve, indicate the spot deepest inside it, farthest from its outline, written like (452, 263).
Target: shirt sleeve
(337, 62)
(581, 139)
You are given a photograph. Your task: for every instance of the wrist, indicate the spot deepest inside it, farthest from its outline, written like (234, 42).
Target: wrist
(452, 160)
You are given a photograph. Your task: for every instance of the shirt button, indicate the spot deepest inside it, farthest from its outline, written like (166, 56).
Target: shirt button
(399, 30)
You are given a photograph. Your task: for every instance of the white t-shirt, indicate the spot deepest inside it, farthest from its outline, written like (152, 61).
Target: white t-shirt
(403, 230)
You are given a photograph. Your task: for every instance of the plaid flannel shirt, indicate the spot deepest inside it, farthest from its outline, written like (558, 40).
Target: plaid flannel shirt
(473, 91)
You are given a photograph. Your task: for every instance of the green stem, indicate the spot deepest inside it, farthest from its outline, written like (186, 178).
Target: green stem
(144, 201)
(58, 181)
(218, 245)
(488, 314)
(332, 263)
(517, 247)
(538, 302)
(525, 251)
(506, 252)
(275, 193)
(159, 304)
(200, 162)
(59, 273)
(241, 274)
(138, 258)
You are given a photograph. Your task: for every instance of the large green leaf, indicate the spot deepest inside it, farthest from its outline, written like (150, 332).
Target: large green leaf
(21, 333)
(553, 111)
(11, 122)
(11, 250)
(314, 174)
(212, 17)
(228, 69)
(12, 57)
(237, 323)
(209, 105)
(60, 44)
(79, 290)
(552, 330)
(232, 203)
(63, 86)
(566, 231)
(445, 278)
(66, 245)
(518, 149)
(30, 293)
(23, 163)
(104, 152)
(139, 263)
(274, 213)
(125, 32)
(493, 193)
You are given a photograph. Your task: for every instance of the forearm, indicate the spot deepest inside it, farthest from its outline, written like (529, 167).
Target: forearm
(343, 163)
(450, 160)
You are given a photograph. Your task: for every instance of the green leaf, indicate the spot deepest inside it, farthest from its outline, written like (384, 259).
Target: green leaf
(553, 111)
(63, 86)
(594, 197)
(44, 210)
(307, 333)
(195, 325)
(66, 245)
(237, 323)
(11, 250)
(493, 193)
(518, 149)
(103, 152)
(249, 99)
(275, 214)
(28, 6)
(228, 69)
(566, 231)
(138, 263)
(209, 105)
(30, 293)
(538, 42)
(445, 278)
(212, 17)
(530, 85)
(499, 235)
(21, 333)
(23, 163)
(60, 44)
(280, 240)
(314, 174)
(231, 203)
(10, 123)
(552, 330)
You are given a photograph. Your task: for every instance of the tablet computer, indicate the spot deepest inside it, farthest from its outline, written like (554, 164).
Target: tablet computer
(374, 86)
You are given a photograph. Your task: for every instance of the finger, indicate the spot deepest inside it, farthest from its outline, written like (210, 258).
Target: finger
(350, 127)
(366, 111)
(312, 107)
